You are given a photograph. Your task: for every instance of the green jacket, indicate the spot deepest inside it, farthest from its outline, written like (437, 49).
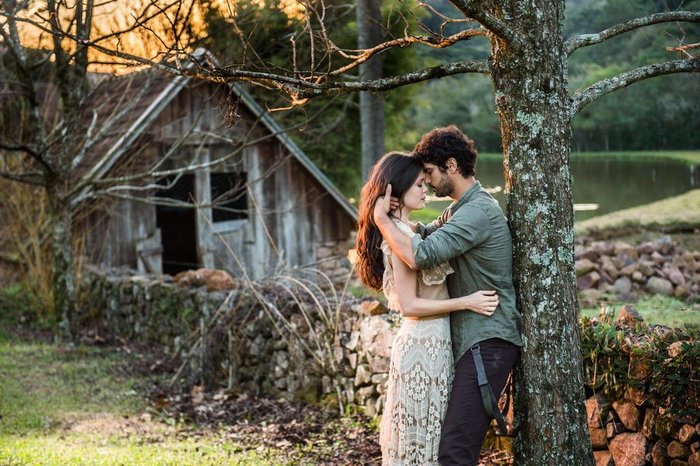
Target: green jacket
(473, 235)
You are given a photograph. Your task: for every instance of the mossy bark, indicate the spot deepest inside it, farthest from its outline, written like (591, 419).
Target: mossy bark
(530, 83)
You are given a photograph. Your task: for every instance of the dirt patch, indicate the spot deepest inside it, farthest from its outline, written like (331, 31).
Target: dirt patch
(111, 425)
(308, 434)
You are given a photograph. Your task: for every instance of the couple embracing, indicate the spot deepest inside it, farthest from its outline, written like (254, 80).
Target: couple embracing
(452, 282)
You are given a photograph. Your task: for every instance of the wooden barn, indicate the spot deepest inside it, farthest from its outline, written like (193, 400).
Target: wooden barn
(250, 198)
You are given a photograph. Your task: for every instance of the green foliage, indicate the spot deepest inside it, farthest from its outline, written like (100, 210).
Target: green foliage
(327, 129)
(15, 301)
(654, 114)
(18, 304)
(619, 359)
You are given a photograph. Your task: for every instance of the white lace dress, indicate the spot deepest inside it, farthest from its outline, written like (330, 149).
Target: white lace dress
(420, 374)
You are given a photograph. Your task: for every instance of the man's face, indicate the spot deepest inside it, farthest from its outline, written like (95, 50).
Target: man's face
(438, 180)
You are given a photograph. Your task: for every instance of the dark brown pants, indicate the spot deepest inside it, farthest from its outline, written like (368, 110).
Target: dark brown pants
(466, 421)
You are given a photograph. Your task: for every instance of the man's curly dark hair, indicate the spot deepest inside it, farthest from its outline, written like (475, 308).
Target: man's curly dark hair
(440, 144)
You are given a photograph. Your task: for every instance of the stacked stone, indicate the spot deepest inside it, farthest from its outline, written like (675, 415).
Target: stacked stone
(634, 432)
(333, 261)
(626, 434)
(656, 267)
(363, 354)
(257, 358)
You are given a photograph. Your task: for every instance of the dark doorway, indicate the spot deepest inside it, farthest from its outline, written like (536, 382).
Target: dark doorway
(177, 225)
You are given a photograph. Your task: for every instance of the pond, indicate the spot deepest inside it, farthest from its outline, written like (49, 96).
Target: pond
(603, 186)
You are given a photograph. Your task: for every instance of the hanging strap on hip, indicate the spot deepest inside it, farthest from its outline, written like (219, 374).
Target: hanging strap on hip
(489, 398)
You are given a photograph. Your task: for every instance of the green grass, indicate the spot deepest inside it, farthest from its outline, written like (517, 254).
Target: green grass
(660, 310)
(40, 384)
(679, 211)
(97, 450)
(77, 407)
(428, 213)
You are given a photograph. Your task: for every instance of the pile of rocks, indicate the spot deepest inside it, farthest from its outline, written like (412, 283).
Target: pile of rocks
(655, 267)
(333, 262)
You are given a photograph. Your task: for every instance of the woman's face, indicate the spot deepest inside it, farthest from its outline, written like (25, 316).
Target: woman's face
(414, 199)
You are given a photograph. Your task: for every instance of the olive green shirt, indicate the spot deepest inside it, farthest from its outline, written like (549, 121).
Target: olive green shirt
(473, 235)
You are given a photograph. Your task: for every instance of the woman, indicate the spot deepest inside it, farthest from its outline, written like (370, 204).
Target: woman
(421, 367)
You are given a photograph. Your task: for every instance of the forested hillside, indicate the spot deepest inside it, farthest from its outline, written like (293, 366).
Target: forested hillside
(656, 114)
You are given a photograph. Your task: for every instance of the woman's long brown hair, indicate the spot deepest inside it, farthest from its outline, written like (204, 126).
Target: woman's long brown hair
(399, 169)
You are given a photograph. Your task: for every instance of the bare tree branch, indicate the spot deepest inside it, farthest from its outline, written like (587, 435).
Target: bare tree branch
(585, 96)
(683, 48)
(20, 148)
(472, 9)
(585, 40)
(300, 89)
(31, 178)
(434, 42)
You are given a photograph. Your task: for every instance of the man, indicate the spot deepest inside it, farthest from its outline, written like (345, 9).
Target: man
(473, 235)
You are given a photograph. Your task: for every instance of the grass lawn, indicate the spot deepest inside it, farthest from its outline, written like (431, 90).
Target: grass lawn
(74, 408)
(678, 211)
(659, 310)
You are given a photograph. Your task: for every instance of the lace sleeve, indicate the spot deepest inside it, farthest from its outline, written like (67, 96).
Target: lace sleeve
(436, 275)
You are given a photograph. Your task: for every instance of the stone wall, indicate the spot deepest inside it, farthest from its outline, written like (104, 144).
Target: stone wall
(333, 261)
(624, 432)
(644, 407)
(256, 337)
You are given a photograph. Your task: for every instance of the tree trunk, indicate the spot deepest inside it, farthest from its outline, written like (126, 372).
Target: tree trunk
(63, 273)
(535, 115)
(369, 32)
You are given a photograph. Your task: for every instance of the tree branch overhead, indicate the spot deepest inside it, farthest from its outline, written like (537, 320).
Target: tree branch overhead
(584, 97)
(576, 42)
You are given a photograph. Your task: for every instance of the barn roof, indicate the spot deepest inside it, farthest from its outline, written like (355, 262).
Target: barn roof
(154, 91)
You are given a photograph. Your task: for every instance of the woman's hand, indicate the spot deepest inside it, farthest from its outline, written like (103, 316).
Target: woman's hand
(482, 302)
(385, 204)
(382, 206)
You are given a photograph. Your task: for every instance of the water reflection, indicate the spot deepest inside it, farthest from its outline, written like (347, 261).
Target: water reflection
(602, 186)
